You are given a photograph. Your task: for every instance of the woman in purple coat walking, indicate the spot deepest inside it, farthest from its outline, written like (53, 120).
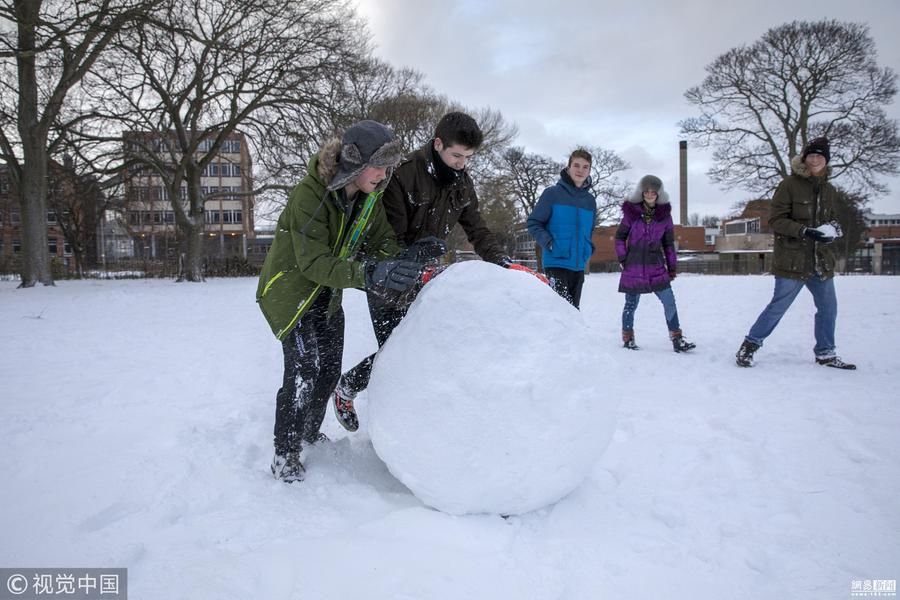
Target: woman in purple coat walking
(645, 246)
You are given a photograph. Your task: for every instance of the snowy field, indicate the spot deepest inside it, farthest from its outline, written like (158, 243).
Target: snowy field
(136, 432)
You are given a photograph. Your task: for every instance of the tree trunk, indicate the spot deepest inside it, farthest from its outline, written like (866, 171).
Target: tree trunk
(191, 265)
(35, 252)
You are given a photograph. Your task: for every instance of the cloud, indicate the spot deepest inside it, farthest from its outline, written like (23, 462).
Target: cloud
(598, 73)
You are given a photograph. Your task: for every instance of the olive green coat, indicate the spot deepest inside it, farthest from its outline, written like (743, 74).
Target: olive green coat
(801, 200)
(319, 245)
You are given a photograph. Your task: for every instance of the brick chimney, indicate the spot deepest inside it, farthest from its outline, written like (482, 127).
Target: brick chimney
(682, 180)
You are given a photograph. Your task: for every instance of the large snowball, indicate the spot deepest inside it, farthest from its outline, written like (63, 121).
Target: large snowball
(488, 398)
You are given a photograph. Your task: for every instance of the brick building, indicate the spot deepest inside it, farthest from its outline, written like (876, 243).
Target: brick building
(11, 223)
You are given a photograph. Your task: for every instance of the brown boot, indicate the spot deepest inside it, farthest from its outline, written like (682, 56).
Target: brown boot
(628, 340)
(679, 344)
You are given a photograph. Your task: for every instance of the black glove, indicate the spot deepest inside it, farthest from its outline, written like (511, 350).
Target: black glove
(393, 275)
(816, 235)
(428, 248)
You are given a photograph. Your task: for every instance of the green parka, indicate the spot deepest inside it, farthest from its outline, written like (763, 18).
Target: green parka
(801, 200)
(317, 244)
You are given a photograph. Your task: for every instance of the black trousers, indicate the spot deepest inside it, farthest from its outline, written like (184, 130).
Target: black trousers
(385, 318)
(567, 283)
(312, 366)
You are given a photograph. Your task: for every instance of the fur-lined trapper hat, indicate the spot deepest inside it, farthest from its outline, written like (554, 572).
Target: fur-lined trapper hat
(365, 144)
(648, 183)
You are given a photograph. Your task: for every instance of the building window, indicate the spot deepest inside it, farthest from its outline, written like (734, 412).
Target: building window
(138, 193)
(157, 216)
(742, 227)
(145, 216)
(51, 217)
(14, 217)
(231, 146)
(17, 246)
(235, 170)
(67, 249)
(238, 216)
(52, 246)
(134, 218)
(169, 216)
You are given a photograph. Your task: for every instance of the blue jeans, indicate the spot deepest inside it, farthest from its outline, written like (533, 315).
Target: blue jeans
(785, 291)
(666, 296)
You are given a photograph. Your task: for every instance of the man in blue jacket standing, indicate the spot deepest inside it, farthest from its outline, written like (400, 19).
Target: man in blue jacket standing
(562, 222)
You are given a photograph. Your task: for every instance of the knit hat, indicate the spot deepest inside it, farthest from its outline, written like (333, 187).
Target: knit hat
(365, 144)
(817, 146)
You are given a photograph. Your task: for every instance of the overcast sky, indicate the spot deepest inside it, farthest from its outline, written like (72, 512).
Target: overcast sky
(609, 74)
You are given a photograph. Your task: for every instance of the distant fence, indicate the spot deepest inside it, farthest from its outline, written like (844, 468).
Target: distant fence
(138, 268)
(241, 267)
(749, 265)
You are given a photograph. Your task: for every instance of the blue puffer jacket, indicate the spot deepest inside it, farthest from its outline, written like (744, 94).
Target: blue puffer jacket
(562, 222)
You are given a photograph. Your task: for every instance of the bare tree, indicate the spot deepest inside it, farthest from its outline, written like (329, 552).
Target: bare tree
(55, 43)
(605, 183)
(527, 175)
(78, 204)
(210, 68)
(710, 221)
(760, 104)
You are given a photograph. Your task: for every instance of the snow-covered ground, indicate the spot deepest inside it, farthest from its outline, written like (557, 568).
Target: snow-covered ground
(136, 423)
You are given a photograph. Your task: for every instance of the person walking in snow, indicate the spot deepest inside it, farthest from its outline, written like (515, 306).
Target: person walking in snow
(803, 219)
(562, 223)
(429, 193)
(645, 247)
(333, 234)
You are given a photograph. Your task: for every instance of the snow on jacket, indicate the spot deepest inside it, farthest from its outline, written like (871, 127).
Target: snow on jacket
(801, 200)
(646, 250)
(317, 243)
(562, 222)
(417, 205)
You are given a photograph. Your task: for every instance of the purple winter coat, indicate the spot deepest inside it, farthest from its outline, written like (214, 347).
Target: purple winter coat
(646, 250)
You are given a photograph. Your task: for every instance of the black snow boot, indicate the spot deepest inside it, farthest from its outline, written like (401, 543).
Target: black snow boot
(288, 467)
(744, 356)
(679, 344)
(628, 340)
(835, 362)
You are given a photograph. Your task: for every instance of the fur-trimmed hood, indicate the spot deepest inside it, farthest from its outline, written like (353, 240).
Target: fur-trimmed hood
(649, 182)
(329, 156)
(799, 168)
